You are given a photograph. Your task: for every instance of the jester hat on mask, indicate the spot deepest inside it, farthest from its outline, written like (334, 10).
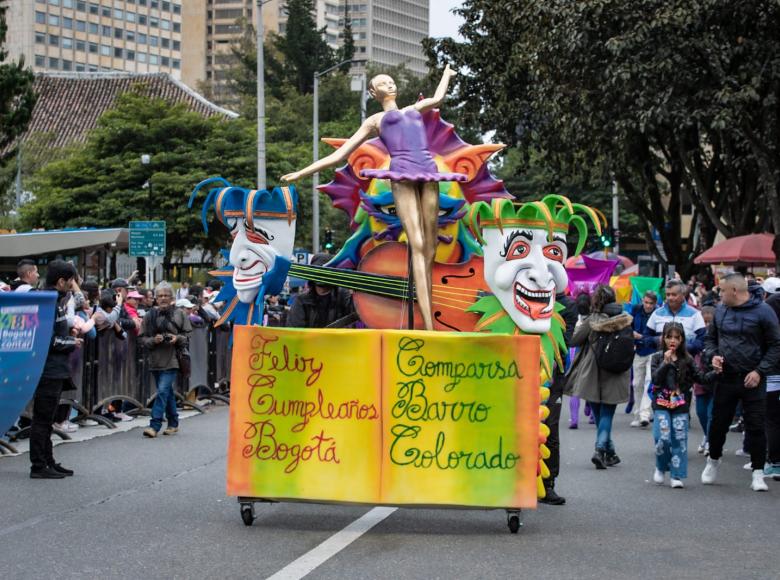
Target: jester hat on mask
(262, 224)
(525, 250)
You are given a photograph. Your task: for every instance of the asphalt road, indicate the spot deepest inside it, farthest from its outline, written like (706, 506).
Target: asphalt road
(157, 509)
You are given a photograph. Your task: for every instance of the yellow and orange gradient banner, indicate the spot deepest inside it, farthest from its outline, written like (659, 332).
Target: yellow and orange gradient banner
(384, 417)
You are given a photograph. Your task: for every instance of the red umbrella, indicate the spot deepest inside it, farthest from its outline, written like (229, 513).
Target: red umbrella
(752, 249)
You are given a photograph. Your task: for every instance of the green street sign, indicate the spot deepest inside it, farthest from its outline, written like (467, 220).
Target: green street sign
(147, 238)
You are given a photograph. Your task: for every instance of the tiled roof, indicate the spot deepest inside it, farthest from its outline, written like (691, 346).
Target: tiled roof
(69, 104)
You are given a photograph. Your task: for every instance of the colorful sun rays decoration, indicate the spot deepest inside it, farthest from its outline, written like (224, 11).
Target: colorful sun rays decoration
(366, 201)
(553, 213)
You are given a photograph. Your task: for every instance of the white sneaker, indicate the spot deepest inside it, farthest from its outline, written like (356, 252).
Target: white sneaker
(658, 477)
(748, 466)
(66, 427)
(702, 447)
(710, 473)
(677, 483)
(635, 423)
(758, 483)
(741, 453)
(125, 416)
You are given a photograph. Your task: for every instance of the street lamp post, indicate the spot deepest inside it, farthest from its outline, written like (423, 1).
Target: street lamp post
(315, 151)
(146, 160)
(261, 176)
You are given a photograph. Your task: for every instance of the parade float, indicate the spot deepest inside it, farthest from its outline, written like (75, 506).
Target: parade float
(452, 416)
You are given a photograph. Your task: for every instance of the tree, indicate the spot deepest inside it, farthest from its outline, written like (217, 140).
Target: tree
(347, 50)
(100, 184)
(662, 95)
(17, 97)
(303, 47)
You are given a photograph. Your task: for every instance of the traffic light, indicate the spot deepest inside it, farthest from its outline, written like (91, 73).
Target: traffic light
(328, 239)
(606, 238)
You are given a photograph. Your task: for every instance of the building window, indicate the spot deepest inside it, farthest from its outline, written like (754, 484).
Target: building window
(142, 2)
(81, 45)
(176, 63)
(130, 16)
(54, 2)
(141, 57)
(67, 22)
(118, 14)
(166, 6)
(154, 4)
(67, 65)
(54, 40)
(93, 28)
(106, 11)
(142, 20)
(81, 6)
(153, 41)
(176, 9)
(177, 26)
(166, 42)
(81, 26)
(130, 36)
(105, 30)
(54, 62)
(153, 59)
(94, 8)
(79, 68)
(176, 45)
(118, 52)
(40, 17)
(105, 50)
(141, 38)
(93, 47)
(118, 32)
(154, 22)
(40, 38)
(165, 61)
(54, 20)
(67, 42)
(130, 55)
(40, 60)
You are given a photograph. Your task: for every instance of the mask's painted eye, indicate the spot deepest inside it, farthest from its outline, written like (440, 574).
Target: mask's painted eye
(553, 252)
(256, 235)
(387, 210)
(518, 250)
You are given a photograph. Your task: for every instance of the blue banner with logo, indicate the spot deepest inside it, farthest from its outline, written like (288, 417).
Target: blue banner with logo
(26, 325)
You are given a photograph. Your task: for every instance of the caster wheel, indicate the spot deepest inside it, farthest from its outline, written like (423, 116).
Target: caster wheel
(514, 524)
(248, 514)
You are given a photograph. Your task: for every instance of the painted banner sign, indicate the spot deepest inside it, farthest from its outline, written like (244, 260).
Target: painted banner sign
(26, 324)
(384, 417)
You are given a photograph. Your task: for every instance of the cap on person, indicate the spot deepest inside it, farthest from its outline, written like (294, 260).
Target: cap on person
(771, 285)
(135, 294)
(119, 283)
(184, 303)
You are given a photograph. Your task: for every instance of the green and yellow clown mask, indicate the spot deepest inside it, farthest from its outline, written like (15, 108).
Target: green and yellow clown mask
(524, 253)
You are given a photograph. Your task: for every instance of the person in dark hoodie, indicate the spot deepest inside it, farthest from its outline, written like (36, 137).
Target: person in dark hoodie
(743, 343)
(771, 288)
(569, 314)
(55, 377)
(603, 390)
(320, 305)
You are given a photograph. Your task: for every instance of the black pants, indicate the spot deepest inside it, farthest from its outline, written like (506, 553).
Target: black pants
(728, 392)
(45, 403)
(553, 422)
(773, 426)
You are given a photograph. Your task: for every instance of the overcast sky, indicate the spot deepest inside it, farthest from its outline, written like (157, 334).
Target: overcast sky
(442, 21)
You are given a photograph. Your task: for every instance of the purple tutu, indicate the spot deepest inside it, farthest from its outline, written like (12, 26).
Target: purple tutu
(403, 134)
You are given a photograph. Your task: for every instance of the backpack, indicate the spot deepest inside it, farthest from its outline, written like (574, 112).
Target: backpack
(614, 351)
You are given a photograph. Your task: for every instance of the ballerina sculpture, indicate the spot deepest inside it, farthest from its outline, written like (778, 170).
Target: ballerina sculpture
(413, 174)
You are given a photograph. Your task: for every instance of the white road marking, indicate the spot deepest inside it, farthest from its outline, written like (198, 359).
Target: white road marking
(333, 545)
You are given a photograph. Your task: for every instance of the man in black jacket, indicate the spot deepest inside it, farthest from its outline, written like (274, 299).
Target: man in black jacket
(744, 344)
(55, 377)
(320, 305)
(554, 404)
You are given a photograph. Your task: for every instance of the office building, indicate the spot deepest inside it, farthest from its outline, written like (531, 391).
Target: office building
(140, 36)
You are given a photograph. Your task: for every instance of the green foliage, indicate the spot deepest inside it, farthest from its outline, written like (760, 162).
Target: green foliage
(677, 99)
(303, 46)
(17, 97)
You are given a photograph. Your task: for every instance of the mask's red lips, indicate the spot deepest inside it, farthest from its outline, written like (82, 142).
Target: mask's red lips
(251, 266)
(536, 304)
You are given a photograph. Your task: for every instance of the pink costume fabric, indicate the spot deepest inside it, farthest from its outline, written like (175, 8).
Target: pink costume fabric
(403, 134)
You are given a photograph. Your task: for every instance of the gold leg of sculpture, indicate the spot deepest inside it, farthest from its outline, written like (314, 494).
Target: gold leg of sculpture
(409, 208)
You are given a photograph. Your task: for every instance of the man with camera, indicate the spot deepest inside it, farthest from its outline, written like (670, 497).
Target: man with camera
(164, 333)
